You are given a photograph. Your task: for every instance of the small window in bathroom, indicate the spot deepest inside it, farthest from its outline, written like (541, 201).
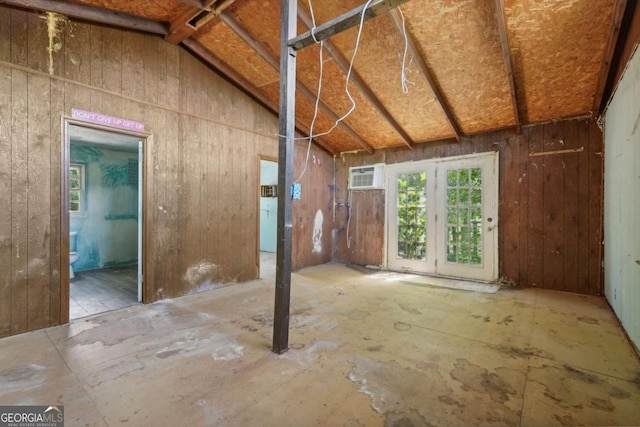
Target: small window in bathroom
(76, 187)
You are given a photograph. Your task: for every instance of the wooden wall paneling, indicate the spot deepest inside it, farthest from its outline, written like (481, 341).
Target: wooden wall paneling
(19, 203)
(522, 195)
(553, 199)
(596, 149)
(173, 191)
(251, 185)
(509, 208)
(191, 206)
(535, 239)
(39, 197)
(154, 68)
(56, 250)
(77, 65)
(112, 64)
(226, 197)
(19, 35)
(173, 64)
(5, 34)
(155, 211)
(5, 187)
(238, 210)
(133, 75)
(97, 65)
(299, 207)
(204, 181)
(571, 227)
(212, 197)
(583, 209)
(37, 43)
(327, 204)
(163, 54)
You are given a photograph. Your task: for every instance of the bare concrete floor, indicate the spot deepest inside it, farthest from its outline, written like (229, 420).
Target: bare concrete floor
(365, 350)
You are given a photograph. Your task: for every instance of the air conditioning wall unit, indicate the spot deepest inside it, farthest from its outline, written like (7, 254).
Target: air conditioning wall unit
(366, 177)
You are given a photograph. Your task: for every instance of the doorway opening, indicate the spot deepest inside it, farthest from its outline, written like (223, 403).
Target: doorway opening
(103, 190)
(443, 215)
(268, 218)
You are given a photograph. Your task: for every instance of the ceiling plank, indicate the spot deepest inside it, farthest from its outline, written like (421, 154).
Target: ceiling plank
(92, 14)
(612, 41)
(343, 63)
(344, 22)
(261, 50)
(426, 74)
(224, 69)
(506, 52)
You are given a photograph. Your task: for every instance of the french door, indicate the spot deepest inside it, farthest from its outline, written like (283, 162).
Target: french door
(442, 217)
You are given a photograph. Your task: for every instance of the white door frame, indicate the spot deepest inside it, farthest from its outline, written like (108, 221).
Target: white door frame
(144, 185)
(435, 245)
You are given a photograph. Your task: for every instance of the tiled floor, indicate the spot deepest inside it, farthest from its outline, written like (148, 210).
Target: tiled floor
(365, 350)
(97, 291)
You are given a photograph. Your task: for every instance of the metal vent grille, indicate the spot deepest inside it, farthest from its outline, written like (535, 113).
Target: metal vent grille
(132, 170)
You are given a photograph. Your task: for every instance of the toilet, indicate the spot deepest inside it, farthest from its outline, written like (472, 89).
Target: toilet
(73, 254)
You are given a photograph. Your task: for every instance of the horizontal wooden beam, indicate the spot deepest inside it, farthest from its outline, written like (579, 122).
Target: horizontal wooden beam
(612, 41)
(344, 22)
(261, 50)
(426, 73)
(225, 70)
(550, 153)
(506, 52)
(92, 14)
(359, 82)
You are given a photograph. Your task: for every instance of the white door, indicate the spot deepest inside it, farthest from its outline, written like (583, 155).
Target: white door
(442, 217)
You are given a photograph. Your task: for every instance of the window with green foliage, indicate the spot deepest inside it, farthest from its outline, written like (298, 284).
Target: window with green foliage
(76, 187)
(464, 216)
(412, 215)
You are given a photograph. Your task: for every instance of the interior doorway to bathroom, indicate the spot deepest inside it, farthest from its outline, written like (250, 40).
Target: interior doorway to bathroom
(103, 184)
(268, 218)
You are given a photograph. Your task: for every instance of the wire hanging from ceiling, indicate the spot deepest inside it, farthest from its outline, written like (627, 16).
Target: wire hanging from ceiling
(405, 68)
(346, 86)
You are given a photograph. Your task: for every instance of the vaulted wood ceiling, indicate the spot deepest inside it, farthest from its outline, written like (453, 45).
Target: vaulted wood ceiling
(473, 65)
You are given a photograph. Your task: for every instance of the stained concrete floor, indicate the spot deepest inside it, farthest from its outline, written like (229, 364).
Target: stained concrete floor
(365, 350)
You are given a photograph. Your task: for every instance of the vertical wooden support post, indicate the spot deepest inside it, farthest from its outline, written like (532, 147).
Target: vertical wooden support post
(285, 176)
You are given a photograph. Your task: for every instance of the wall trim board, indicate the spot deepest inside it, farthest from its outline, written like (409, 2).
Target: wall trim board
(147, 219)
(28, 70)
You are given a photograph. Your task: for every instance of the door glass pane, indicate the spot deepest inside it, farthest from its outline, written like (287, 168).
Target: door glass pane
(464, 216)
(412, 215)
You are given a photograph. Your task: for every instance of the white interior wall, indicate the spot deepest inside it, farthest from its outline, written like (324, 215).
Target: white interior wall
(622, 200)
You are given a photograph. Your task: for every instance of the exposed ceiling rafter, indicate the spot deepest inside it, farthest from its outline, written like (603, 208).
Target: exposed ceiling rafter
(426, 73)
(224, 69)
(506, 52)
(344, 22)
(359, 82)
(614, 32)
(261, 50)
(92, 14)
